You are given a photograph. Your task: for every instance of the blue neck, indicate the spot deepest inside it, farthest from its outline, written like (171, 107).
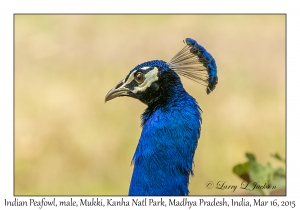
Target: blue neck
(164, 155)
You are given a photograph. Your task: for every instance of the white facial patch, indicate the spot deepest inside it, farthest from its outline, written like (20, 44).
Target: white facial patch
(150, 77)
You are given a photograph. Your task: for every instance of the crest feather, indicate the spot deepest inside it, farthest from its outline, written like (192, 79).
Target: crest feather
(196, 63)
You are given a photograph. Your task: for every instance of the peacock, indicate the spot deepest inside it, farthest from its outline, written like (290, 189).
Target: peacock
(171, 123)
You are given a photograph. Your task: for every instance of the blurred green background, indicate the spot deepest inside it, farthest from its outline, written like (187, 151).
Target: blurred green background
(69, 142)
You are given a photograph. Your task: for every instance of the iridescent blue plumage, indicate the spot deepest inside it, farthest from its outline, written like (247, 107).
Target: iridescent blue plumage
(171, 128)
(172, 121)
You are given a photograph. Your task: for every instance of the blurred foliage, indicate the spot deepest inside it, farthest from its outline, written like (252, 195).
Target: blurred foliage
(261, 179)
(69, 142)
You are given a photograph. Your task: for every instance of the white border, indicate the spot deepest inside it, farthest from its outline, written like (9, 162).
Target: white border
(8, 8)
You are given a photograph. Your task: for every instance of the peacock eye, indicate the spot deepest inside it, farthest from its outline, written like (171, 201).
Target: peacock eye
(139, 77)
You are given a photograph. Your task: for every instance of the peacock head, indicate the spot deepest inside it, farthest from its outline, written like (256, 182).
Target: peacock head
(152, 79)
(145, 82)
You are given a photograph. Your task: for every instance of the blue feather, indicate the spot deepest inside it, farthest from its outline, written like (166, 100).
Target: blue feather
(164, 155)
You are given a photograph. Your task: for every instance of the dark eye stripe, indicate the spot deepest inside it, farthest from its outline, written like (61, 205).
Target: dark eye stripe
(144, 71)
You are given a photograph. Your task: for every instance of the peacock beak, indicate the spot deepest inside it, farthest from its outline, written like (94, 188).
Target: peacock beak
(117, 91)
